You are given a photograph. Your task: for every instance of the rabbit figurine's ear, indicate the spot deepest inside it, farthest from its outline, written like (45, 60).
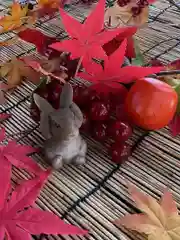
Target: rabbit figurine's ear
(66, 97)
(42, 104)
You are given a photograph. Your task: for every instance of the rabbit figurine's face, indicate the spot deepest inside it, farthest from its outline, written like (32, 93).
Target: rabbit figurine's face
(62, 119)
(68, 118)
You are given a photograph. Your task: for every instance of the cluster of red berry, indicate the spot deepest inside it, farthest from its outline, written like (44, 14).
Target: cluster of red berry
(102, 110)
(104, 117)
(136, 10)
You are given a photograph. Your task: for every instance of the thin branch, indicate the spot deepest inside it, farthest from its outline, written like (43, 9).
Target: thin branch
(165, 73)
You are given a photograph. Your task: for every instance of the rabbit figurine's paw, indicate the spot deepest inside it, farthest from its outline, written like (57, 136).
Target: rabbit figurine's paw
(57, 162)
(79, 160)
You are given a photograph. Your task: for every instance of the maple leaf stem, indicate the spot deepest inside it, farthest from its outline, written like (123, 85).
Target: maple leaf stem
(109, 21)
(6, 236)
(40, 69)
(78, 66)
(109, 26)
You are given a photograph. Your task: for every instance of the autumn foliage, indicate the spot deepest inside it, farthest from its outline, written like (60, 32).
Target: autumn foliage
(158, 221)
(18, 218)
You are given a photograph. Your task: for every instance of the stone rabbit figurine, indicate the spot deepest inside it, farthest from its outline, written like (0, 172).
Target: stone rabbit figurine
(63, 144)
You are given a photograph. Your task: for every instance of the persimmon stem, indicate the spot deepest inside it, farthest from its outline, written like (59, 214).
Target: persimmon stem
(78, 66)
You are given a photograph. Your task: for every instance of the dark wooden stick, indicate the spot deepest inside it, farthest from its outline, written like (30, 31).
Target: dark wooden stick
(166, 73)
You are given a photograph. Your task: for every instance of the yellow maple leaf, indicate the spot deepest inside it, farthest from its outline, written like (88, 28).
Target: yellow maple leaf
(158, 221)
(120, 16)
(16, 19)
(15, 71)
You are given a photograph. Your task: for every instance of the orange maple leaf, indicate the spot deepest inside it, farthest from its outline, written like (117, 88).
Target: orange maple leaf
(15, 71)
(48, 66)
(158, 221)
(16, 19)
(3, 88)
(50, 3)
(123, 15)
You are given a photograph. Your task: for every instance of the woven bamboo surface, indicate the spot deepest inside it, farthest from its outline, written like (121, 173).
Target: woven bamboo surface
(94, 195)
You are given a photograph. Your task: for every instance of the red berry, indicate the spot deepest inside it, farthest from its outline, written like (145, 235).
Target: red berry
(94, 96)
(54, 91)
(120, 152)
(86, 122)
(156, 63)
(120, 131)
(99, 91)
(86, 96)
(123, 3)
(175, 64)
(99, 111)
(100, 131)
(79, 94)
(118, 98)
(136, 11)
(120, 113)
(143, 3)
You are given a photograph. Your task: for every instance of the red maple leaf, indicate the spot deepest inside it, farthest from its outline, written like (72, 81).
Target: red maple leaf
(4, 116)
(151, 1)
(113, 72)
(174, 125)
(88, 38)
(40, 40)
(114, 44)
(19, 219)
(16, 154)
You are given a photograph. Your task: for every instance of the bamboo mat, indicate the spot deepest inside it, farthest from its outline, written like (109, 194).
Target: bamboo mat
(94, 195)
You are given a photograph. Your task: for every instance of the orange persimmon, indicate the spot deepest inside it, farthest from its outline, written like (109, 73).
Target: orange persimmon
(151, 103)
